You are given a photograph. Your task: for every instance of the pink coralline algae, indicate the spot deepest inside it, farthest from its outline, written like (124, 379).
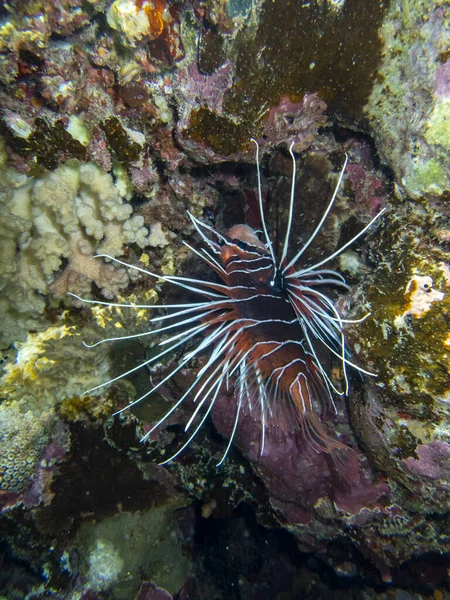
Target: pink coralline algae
(40, 493)
(442, 80)
(363, 181)
(432, 462)
(198, 92)
(366, 187)
(295, 122)
(299, 480)
(149, 591)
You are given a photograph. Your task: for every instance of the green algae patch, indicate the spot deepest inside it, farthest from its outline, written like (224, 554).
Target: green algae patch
(408, 108)
(439, 124)
(220, 133)
(47, 145)
(408, 348)
(429, 177)
(300, 47)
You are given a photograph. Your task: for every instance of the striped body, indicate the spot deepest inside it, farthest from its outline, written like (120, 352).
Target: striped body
(270, 330)
(279, 381)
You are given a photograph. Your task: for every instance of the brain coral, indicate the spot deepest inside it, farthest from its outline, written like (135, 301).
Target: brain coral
(22, 439)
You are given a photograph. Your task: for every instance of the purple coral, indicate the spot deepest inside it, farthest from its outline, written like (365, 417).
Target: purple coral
(150, 591)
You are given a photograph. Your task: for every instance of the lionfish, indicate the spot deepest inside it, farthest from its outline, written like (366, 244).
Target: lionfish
(263, 325)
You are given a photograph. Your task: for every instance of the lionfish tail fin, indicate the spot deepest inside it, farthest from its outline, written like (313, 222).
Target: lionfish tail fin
(345, 459)
(346, 462)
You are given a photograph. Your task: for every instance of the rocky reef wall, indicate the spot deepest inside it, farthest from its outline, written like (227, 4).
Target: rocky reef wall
(117, 118)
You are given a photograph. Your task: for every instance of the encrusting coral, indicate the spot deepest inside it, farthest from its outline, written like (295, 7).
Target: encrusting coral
(50, 369)
(22, 439)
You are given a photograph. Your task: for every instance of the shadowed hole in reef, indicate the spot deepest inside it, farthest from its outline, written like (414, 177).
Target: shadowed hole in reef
(16, 575)
(238, 559)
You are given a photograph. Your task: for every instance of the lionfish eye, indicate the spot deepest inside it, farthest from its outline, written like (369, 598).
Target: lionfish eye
(242, 245)
(276, 281)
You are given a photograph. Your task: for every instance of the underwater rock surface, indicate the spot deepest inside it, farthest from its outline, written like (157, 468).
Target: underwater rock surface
(116, 119)
(409, 105)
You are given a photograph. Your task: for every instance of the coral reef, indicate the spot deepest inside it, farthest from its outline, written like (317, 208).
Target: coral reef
(48, 375)
(117, 117)
(404, 419)
(119, 70)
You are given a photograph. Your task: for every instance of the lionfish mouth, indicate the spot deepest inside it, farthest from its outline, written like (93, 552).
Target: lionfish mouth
(264, 326)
